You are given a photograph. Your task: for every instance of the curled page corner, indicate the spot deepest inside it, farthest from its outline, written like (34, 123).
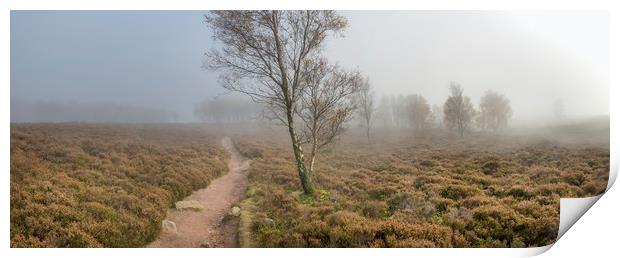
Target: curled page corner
(613, 172)
(571, 209)
(521, 252)
(536, 250)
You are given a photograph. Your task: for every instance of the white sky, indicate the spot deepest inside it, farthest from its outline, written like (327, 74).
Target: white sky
(152, 59)
(531, 57)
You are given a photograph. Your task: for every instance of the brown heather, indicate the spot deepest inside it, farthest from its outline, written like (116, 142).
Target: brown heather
(483, 191)
(80, 185)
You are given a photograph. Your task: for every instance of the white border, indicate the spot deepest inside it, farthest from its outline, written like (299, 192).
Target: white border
(601, 232)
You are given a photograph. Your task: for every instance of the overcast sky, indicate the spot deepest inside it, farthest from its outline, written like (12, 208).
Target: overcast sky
(152, 60)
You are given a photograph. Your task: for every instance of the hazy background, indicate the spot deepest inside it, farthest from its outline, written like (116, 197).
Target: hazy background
(145, 66)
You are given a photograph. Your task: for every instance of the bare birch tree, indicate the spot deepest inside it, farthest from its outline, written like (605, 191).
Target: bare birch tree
(263, 54)
(436, 116)
(366, 106)
(418, 111)
(495, 111)
(458, 110)
(326, 105)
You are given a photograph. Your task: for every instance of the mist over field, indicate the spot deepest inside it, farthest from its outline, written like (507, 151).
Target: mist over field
(305, 128)
(140, 66)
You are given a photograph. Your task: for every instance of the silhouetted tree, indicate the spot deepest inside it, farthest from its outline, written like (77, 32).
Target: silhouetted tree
(384, 112)
(495, 111)
(458, 110)
(436, 116)
(418, 111)
(399, 110)
(227, 110)
(366, 106)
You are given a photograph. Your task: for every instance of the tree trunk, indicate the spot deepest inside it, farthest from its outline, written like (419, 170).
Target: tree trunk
(314, 143)
(304, 176)
(312, 157)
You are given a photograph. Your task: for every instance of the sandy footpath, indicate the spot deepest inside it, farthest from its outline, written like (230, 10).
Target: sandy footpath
(205, 227)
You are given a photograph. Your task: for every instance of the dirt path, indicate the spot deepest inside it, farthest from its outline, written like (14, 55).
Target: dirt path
(206, 227)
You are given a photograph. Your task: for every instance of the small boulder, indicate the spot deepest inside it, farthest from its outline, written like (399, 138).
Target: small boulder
(188, 205)
(267, 221)
(168, 227)
(235, 211)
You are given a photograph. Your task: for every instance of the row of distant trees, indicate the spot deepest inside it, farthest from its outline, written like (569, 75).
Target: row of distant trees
(457, 113)
(227, 110)
(460, 114)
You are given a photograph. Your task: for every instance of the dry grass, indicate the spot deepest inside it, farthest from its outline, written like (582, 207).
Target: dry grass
(80, 185)
(431, 191)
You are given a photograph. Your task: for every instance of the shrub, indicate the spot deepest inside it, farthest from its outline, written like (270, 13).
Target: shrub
(457, 192)
(490, 167)
(80, 185)
(520, 192)
(375, 209)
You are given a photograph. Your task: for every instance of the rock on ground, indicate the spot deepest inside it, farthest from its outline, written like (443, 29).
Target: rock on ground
(168, 227)
(268, 221)
(236, 211)
(188, 205)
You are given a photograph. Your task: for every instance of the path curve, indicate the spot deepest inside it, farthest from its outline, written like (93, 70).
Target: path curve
(196, 229)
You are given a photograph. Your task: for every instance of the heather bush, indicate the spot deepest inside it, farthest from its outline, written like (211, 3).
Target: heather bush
(421, 193)
(80, 185)
(375, 209)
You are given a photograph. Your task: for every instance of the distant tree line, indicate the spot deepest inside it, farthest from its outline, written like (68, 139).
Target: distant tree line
(410, 111)
(457, 113)
(48, 111)
(227, 110)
